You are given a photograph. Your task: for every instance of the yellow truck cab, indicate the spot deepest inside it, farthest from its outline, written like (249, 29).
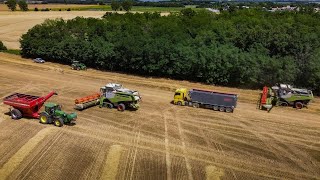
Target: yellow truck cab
(180, 96)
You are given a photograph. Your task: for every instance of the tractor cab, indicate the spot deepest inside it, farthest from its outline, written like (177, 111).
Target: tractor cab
(51, 108)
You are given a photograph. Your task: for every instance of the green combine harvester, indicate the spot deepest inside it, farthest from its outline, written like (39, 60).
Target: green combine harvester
(110, 97)
(54, 114)
(284, 95)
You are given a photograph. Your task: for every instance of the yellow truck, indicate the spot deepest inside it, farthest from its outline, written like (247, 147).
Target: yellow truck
(205, 98)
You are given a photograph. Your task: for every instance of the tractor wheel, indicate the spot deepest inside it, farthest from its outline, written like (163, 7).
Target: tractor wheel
(215, 108)
(44, 118)
(195, 105)
(121, 107)
(109, 105)
(179, 103)
(58, 122)
(16, 114)
(221, 109)
(229, 110)
(299, 105)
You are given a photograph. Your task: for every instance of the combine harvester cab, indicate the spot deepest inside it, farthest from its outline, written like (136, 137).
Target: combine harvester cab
(207, 99)
(23, 105)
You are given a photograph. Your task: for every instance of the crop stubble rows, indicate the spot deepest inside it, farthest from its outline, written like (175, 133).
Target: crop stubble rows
(160, 140)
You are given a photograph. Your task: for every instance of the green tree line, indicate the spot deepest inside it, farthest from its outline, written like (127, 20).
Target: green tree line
(244, 48)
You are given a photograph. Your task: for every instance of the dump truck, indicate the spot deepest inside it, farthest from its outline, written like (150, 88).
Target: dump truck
(54, 114)
(24, 105)
(284, 95)
(110, 99)
(205, 98)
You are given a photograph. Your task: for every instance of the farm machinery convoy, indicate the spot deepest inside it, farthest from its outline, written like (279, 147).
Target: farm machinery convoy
(116, 96)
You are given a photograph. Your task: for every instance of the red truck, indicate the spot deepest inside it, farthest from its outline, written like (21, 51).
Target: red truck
(24, 105)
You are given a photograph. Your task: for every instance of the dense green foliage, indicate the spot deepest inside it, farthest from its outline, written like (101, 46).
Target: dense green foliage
(12, 4)
(115, 5)
(127, 5)
(23, 5)
(2, 46)
(244, 48)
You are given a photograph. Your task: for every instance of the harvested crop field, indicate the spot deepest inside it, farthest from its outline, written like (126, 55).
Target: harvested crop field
(14, 24)
(159, 141)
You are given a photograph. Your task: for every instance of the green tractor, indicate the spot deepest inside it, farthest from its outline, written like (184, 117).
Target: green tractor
(76, 65)
(54, 114)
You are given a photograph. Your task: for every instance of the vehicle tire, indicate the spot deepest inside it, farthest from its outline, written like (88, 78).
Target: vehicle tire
(299, 105)
(190, 104)
(58, 122)
(215, 108)
(221, 109)
(16, 114)
(78, 68)
(109, 105)
(44, 118)
(195, 105)
(121, 107)
(179, 103)
(229, 110)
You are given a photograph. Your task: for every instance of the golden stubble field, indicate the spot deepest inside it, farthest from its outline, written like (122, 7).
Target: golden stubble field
(159, 141)
(14, 24)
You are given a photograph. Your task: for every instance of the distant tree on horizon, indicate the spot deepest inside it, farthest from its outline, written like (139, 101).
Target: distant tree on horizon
(12, 4)
(127, 5)
(23, 5)
(115, 5)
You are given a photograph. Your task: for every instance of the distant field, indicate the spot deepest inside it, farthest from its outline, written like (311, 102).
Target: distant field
(4, 7)
(14, 24)
(85, 7)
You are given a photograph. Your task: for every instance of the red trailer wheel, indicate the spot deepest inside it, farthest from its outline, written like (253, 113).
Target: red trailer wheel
(16, 114)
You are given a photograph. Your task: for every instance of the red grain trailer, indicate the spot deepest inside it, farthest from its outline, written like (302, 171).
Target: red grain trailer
(24, 105)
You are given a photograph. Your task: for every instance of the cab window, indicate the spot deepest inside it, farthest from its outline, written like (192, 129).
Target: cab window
(177, 94)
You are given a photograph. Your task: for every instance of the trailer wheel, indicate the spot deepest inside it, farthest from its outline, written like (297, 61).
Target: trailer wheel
(121, 107)
(16, 114)
(298, 105)
(58, 122)
(195, 105)
(229, 110)
(44, 118)
(215, 108)
(221, 109)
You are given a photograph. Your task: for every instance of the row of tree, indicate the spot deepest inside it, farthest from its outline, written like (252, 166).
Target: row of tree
(12, 5)
(245, 48)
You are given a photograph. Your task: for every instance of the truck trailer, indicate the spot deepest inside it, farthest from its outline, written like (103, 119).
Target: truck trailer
(205, 98)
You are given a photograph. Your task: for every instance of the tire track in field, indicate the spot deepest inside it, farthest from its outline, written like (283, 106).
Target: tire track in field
(112, 161)
(44, 151)
(184, 148)
(23, 152)
(294, 155)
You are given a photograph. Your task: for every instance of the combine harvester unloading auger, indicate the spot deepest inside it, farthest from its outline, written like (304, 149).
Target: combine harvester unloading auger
(110, 96)
(283, 95)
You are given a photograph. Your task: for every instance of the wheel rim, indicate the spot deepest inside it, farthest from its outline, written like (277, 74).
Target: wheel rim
(298, 105)
(120, 108)
(221, 109)
(57, 123)
(43, 119)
